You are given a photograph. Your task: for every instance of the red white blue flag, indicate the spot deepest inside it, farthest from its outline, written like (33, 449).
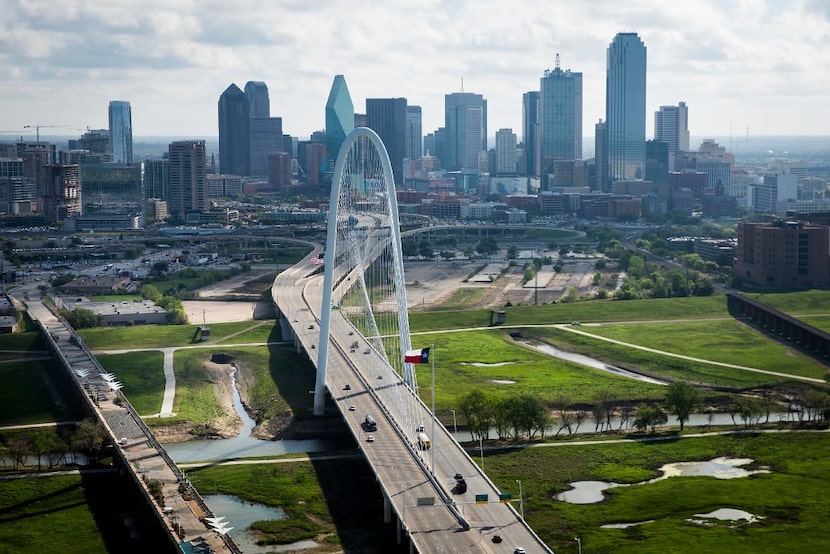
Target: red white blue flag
(420, 356)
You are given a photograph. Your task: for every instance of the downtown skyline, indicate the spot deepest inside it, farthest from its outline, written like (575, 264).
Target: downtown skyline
(761, 66)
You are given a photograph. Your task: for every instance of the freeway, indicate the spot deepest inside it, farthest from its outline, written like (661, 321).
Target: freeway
(417, 484)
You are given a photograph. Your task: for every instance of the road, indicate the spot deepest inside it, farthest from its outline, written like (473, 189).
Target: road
(437, 519)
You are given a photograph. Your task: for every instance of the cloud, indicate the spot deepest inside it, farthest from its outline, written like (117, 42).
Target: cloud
(173, 59)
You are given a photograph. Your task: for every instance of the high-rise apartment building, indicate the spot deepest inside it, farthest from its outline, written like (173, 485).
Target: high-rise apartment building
(671, 125)
(506, 152)
(387, 117)
(560, 115)
(531, 133)
(414, 133)
(625, 107)
(121, 131)
(187, 181)
(340, 117)
(62, 192)
(234, 133)
(465, 119)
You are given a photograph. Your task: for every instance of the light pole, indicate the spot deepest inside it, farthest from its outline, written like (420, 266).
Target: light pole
(454, 426)
(481, 449)
(578, 544)
(521, 500)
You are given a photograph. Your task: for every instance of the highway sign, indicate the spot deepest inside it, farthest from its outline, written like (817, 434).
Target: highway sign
(481, 499)
(505, 498)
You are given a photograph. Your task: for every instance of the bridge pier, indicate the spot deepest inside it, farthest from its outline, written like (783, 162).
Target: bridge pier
(387, 509)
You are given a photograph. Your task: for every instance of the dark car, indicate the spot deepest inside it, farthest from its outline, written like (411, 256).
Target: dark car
(496, 539)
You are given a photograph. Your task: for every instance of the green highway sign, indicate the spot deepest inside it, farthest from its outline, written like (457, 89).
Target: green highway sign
(481, 499)
(505, 498)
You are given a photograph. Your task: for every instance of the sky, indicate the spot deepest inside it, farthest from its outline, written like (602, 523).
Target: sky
(760, 67)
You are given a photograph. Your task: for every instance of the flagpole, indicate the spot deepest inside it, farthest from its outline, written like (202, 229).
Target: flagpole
(432, 358)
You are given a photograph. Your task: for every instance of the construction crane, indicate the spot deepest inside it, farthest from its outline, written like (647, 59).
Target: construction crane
(37, 128)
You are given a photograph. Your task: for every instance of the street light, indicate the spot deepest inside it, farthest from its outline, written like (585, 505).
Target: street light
(481, 449)
(454, 426)
(579, 544)
(521, 500)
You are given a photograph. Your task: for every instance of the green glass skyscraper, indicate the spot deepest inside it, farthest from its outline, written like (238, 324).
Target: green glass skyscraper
(339, 116)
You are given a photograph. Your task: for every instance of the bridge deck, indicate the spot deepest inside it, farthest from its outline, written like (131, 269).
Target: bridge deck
(455, 523)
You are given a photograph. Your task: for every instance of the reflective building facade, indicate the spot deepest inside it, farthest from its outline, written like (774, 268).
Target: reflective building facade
(121, 131)
(339, 116)
(465, 121)
(234, 132)
(560, 115)
(625, 107)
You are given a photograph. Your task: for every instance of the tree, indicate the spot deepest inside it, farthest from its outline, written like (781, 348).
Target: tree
(681, 400)
(512, 252)
(477, 408)
(81, 318)
(649, 417)
(425, 249)
(447, 254)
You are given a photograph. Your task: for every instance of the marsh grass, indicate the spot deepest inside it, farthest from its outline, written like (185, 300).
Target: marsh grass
(791, 498)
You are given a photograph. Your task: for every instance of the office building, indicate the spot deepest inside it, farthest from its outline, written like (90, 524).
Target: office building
(266, 138)
(671, 125)
(234, 133)
(259, 103)
(157, 179)
(625, 107)
(340, 117)
(223, 186)
(560, 115)
(601, 182)
(265, 131)
(531, 133)
(187, 181)
(783, 254)
(414, 133)
(95, 141)
(121, 131)
(657, 162)
(506, 153)
(465, 121)
(112, 189)
(387, 117)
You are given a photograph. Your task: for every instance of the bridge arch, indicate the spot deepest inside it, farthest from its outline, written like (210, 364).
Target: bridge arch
(363, 283)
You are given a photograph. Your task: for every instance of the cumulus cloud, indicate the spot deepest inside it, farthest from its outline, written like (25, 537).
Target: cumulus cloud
(173, 59)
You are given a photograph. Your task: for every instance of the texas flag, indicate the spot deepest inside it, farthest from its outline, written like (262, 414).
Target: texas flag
(420, 356)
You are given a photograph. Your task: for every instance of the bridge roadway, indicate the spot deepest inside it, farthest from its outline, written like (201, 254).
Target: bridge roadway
(181, 515)
(455, 523)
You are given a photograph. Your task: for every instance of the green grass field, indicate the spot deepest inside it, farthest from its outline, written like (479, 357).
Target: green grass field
(142, 374)
(36, 391)
(797, 303)
(791, 499)
(160, 336)
(597, 311)
(528, 372)
(71, 513)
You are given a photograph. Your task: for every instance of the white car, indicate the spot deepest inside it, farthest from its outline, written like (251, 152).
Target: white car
(370, 438)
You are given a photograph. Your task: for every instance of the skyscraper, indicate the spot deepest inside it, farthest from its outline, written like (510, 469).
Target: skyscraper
(234, 133)
(671, 125)
(506, 152)
(259, 103)
(465, 119)
(187, 181)
(387, 117)
(414, 133)
(121, 131)
(531, 132)
(601, 157)
(560, 109)
(625, 107)
(339, 116)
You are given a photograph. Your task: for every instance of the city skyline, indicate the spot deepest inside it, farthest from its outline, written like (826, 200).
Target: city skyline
(746, 64)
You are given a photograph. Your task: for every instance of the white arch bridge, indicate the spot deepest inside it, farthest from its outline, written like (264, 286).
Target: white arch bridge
(352, 322)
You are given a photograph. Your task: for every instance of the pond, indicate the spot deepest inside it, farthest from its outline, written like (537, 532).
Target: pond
(240, 514)
(590, 492)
